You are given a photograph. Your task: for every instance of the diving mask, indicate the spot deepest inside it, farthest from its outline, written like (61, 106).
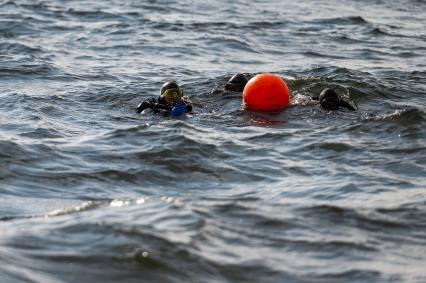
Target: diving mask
(172, 94)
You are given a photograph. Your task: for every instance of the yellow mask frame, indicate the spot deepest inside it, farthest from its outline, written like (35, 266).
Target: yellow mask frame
(172, 94)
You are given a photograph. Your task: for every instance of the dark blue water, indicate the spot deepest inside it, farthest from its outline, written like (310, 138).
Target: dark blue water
(90, 191)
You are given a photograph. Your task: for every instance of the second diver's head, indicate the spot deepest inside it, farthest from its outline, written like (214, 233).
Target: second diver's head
(329, 99)
(171, 92)
(236, 83)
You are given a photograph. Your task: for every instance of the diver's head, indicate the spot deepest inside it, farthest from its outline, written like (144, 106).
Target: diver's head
(171, 92)
(329, 99)
(169, 85)
(236, 83)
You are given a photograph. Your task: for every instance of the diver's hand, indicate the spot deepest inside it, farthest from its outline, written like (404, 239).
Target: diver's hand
(142, 106)
(346, 104)
(146, 104)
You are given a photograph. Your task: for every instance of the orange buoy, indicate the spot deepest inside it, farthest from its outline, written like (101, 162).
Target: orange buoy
(266, 92)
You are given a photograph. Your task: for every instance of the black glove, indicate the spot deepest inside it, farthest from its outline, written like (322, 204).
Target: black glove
(146, 104)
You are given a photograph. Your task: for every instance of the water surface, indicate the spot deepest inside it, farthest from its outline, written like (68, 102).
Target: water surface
(91, 191)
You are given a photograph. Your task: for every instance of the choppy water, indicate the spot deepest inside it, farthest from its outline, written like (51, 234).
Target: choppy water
(90, 191)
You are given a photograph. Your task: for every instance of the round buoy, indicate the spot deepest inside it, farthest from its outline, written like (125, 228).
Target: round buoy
(266, 92)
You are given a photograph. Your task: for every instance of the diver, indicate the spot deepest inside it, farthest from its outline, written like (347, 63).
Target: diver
(171, 101)
(328, 98)
(236, 83)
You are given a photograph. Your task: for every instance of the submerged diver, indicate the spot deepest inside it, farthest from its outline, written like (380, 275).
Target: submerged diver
(236, 83)
(171, 101)
(328, 98)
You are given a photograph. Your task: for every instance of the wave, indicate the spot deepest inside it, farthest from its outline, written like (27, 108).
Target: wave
(89, 15)
(350, 20)
(14, 28)
(354, 217)
(85, 206)
(20, 48)
(358, 85)
(228, 25)
(13, 151)
(28, 65)
(388, 31)
(410, 116)
(333, 146)
(323, 55)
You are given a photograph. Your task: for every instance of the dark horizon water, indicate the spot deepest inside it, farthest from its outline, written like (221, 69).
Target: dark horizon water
(90, 191)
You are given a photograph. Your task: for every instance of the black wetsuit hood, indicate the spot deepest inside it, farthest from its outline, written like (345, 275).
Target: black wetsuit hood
(330, 100)
(236, 83)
